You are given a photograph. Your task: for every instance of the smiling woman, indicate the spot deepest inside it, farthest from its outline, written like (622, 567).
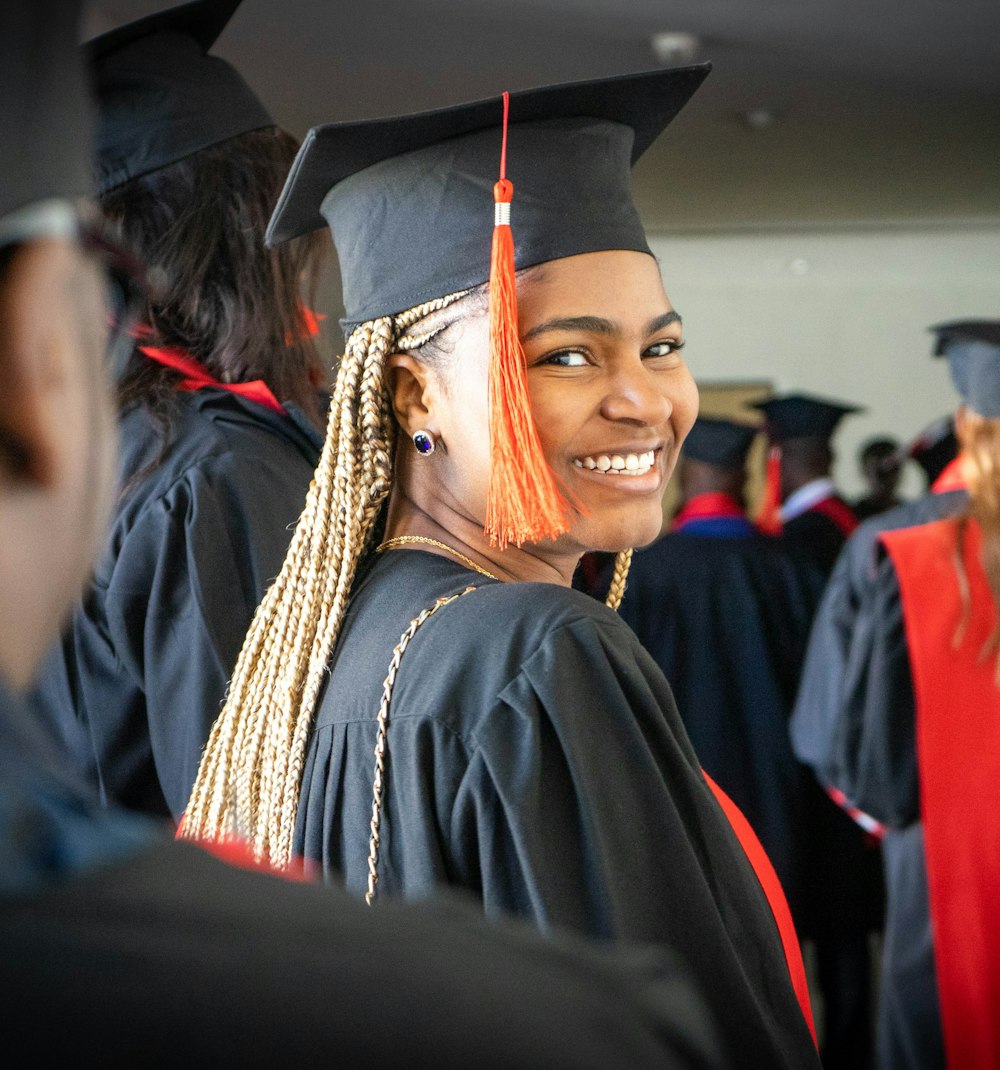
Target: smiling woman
(522, 744)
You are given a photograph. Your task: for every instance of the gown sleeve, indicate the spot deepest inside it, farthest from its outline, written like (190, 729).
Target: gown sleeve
(815, 722)
(183, 591)
(875, 745)
(537, 818)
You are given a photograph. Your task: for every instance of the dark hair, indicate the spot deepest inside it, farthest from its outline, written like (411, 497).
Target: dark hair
(878, 449)
(230, 302)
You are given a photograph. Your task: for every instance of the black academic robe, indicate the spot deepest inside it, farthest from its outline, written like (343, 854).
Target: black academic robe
(141, 672)
(726, 617)
(124, 948)
(814, 533)
(857, 671)
(535, 758)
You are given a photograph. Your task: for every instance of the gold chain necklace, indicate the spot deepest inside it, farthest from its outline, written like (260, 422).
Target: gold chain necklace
(406, 540)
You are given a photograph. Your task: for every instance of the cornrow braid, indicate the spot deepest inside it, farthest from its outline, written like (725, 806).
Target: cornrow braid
(251, 769)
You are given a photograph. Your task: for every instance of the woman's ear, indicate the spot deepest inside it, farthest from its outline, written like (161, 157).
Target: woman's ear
(412, 390)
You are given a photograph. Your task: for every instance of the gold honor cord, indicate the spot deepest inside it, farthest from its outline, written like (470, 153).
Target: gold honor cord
(383, 729)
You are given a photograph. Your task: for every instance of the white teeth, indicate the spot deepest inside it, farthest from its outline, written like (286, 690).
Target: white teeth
(631, 464)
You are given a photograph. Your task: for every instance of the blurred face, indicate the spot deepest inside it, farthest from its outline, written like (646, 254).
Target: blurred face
(57, 473)
(611, 397)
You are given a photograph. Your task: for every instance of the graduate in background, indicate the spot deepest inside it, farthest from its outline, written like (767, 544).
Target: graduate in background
(881, 465)
(525, 746)
(219, 409)
(934, 449)
(813, 514)
(122, 947)
(899, 710)
(725, 612)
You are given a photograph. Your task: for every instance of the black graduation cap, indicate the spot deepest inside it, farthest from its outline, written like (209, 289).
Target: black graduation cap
(802, 416)
(45, 109)
(935, 447)
(410, 199)
(972, 348)
(723, 443)
(161, 96)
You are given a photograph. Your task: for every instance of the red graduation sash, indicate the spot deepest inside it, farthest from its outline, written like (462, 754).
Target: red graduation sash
(958, 756)
(775, 897)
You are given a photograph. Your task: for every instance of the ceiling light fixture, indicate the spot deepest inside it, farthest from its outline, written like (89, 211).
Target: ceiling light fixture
(674, 49)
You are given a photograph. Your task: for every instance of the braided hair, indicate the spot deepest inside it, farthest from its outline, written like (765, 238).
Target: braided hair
(251, 770)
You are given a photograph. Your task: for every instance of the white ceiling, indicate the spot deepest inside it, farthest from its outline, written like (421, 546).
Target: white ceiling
(888, 110)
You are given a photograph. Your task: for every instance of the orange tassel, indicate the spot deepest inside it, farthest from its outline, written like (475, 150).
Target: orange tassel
(769, 512)
(523, 503)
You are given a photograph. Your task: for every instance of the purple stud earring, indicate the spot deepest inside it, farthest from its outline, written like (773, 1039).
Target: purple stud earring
(423, 442)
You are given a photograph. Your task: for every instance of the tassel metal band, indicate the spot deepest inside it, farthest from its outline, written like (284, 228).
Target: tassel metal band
(501, 214)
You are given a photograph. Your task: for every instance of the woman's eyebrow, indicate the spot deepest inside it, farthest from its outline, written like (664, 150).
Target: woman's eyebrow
(597, 325)
(588, 324)
(665, 320)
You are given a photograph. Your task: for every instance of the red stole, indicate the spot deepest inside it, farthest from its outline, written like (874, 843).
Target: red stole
(710, 504)
(839, 512)
(958, 755)
(951, 478)
(775, 897)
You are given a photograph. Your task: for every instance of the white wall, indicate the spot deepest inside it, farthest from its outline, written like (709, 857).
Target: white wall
(844, 314)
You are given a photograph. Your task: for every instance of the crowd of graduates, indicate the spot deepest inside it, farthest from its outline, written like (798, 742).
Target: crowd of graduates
(276, 645)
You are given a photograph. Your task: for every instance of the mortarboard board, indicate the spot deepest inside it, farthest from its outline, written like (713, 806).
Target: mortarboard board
(45, 109)
(161, 97)
(802, 416)
(723, 443)
(409, 199)
(972, 348)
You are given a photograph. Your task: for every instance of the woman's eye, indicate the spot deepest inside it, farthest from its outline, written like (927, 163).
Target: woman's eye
(568, 358)
(664, 348)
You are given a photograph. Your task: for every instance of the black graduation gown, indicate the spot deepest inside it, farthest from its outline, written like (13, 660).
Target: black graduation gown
(726, 617)
(815, 534)
(141, 672)
(535, 757)
(854, 723)
(121, 947)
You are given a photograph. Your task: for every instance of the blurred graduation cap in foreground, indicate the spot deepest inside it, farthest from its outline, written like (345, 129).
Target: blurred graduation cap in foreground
(791, 416)
(972, 349)
(45, 109)
(161, 96)
(722, 443)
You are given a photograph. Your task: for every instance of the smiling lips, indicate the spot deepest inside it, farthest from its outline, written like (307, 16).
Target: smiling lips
(619, 464)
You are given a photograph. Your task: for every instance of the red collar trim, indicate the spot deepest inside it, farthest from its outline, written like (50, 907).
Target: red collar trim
(712, 505)
(950, 479)
(196, 376)
(833, 508)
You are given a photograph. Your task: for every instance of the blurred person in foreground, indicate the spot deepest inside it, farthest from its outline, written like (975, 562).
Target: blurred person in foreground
(899, 711)
(122, 947)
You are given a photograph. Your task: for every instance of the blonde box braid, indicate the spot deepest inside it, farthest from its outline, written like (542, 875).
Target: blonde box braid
(251, 770)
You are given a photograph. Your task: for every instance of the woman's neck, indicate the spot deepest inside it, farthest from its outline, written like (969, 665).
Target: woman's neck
(462, 534)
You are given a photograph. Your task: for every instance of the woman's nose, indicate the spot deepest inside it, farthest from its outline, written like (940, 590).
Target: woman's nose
(637, 395)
